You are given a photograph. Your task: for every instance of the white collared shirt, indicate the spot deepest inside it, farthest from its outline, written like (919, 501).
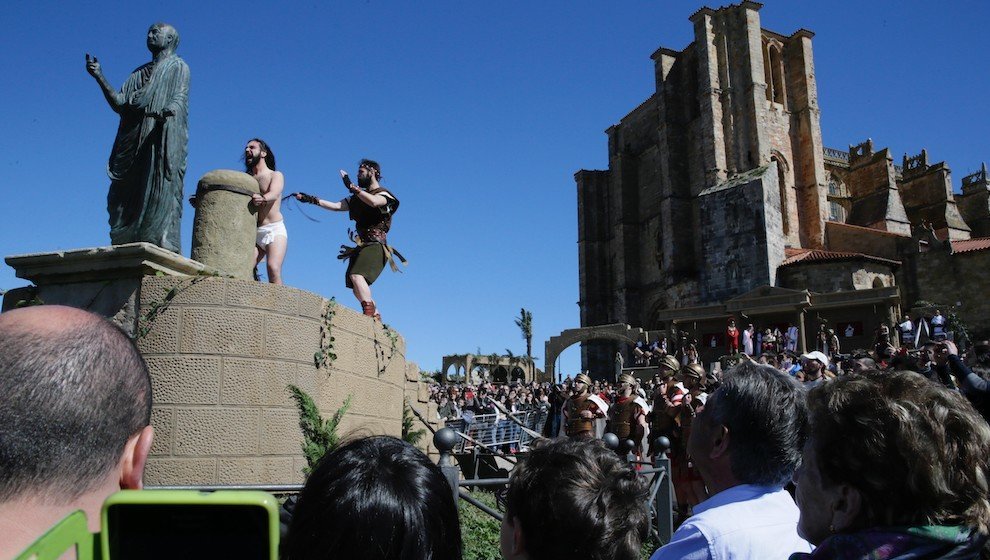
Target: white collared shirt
(745, 521)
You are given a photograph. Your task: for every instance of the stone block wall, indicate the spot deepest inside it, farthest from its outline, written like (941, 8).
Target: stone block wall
(974, 202)
(742, 233)
(959, 281)
(926, 192)
(883, 244)
(828, 277)
(222, 352)
(872, 184)
(975, 209)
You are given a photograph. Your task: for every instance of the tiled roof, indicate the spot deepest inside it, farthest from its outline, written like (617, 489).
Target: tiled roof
(795, 256)
(967, 245)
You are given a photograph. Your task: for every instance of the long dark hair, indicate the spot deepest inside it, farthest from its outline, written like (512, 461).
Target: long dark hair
(269, 157)
(377, 498)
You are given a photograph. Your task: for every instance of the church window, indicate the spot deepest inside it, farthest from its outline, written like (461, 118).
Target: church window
(836, 212)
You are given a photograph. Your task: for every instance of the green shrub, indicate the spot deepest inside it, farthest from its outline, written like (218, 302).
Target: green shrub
(319, 435)
(409, 435)
(479, 531)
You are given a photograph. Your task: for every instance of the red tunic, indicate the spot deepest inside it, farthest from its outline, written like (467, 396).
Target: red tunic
(732, 335)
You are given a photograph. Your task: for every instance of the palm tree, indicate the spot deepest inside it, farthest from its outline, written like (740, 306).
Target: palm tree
(525, 323)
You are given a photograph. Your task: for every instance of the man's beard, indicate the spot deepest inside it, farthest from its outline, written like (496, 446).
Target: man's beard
(364, 182)
(251, 161)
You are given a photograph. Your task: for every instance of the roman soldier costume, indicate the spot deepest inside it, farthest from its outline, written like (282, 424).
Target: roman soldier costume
(625, 412)
(576, 425)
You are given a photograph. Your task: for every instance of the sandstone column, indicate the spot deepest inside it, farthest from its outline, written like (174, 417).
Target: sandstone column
(225, 224)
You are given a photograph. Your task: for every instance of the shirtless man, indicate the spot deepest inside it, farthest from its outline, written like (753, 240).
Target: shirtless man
(272, 240)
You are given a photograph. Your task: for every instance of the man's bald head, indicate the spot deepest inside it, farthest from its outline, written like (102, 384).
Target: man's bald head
(73, 389)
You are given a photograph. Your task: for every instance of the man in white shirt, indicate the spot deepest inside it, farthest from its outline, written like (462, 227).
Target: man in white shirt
(746, 443)
(938, 326)
(792, 337)
(907, 332)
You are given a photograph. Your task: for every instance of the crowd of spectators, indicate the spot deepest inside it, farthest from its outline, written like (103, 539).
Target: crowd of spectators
(885, 457)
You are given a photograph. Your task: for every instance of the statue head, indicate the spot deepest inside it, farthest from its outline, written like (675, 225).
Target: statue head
(162, 37)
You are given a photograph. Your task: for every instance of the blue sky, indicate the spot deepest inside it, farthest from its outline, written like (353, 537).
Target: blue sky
(479, 112)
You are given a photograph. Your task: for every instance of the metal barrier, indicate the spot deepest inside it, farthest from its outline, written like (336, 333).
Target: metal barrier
(660, 498)
(496, 431)
(659, 502)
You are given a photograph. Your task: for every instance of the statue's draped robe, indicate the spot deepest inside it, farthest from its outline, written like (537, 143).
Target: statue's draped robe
(148, 161)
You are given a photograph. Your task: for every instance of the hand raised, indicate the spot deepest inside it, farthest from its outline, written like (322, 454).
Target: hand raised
(93, 66)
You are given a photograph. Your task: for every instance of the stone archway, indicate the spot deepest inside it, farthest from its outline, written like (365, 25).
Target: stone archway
(557, 344)
(499, 369)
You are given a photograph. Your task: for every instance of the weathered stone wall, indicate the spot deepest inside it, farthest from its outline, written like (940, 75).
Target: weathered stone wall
(872, 184)
(974, 202)
(960, 280)
(658, 229)
(742, 231)
(810, 179)
(221, 354)
(975, 209)
(593, 246)
(709, 121)
(926, 192)
(855, 239)
(778, 122)
(828, 277)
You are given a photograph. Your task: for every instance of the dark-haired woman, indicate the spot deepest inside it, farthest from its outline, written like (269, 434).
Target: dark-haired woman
(377, 498)
(896, 467)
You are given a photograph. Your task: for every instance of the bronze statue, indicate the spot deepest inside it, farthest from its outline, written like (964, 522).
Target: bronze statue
(148, 160)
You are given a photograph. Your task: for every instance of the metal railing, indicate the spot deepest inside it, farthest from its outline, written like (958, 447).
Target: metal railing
(496, 430)
(660, 497)
(486, 432)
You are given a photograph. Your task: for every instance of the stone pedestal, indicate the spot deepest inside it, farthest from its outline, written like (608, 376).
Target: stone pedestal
(104, 280)
(221, 352)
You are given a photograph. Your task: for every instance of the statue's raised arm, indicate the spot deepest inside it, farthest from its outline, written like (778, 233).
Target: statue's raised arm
(148, 161)
(115, 99)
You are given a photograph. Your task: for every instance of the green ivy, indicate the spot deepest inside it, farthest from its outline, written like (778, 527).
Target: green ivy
(383, 359)
(325, 355)
(158, 307)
